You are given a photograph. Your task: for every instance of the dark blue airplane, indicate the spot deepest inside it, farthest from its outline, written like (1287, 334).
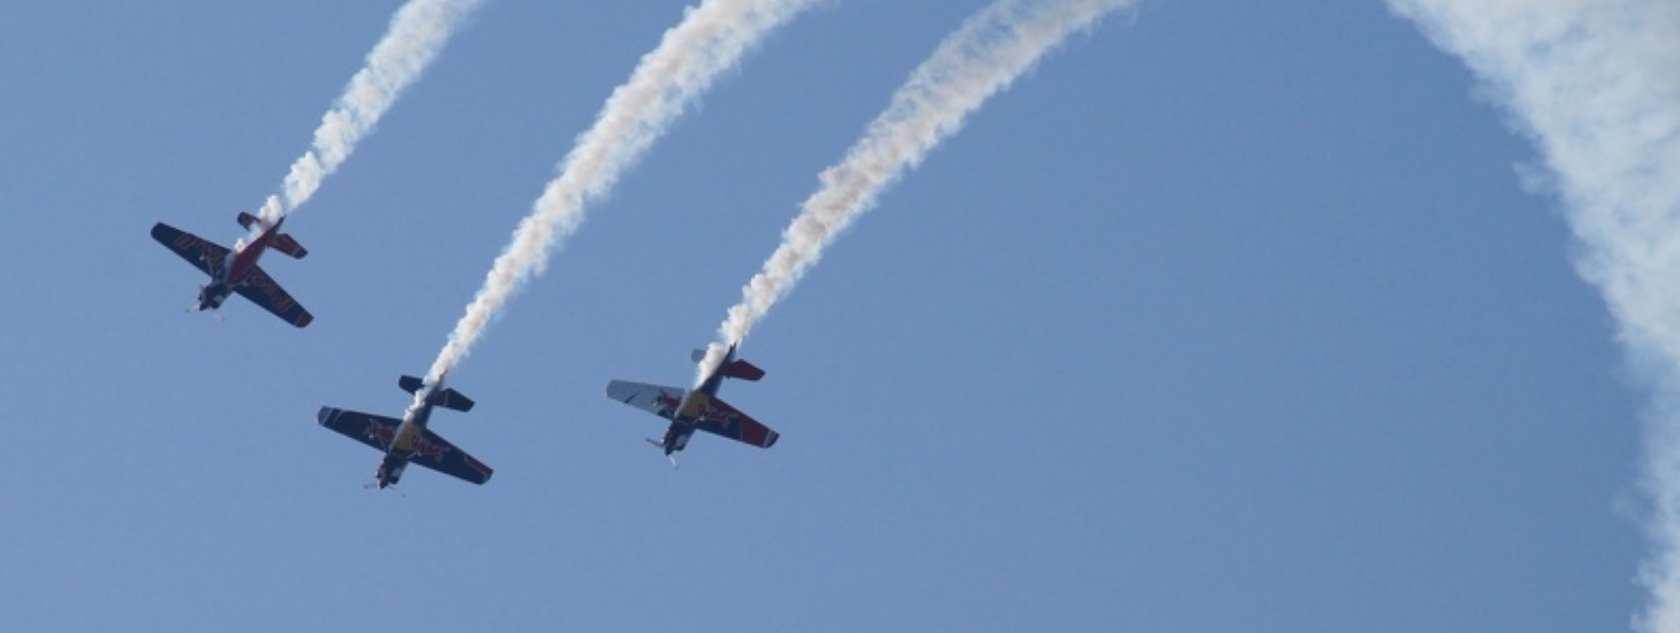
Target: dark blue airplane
(408, 440)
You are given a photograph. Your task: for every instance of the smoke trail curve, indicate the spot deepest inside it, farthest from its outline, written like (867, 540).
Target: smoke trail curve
(983, 57)
(690, 56)
(417, 33)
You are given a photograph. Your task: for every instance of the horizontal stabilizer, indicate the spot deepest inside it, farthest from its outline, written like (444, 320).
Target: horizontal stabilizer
(742, 370)
(285, 244)
(447, 398)
(282, 242)
(450, 399)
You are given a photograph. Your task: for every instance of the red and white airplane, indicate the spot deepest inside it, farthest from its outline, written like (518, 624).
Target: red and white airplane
(237, 271)
(697, 409)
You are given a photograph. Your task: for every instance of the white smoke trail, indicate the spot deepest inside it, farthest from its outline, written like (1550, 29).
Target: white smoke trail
(710, 39)
(1596, 85)
(981, 58)
(417, 33)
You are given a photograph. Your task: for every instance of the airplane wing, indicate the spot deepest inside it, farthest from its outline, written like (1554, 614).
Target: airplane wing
(438, 454)
(658, 400)
(719, 418)
(196, 250)
(431, 451)
(376, 431)
(262, 290)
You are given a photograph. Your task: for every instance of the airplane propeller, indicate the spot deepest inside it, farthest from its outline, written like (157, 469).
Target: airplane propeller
(374, 485)
(661, 445)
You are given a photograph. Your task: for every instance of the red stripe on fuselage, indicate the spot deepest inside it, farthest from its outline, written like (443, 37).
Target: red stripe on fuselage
(246, 258)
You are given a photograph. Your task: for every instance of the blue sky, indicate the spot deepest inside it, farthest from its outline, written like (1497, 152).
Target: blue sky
(1226, 316)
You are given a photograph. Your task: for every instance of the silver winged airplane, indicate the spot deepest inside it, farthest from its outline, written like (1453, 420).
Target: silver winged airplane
(697, 409)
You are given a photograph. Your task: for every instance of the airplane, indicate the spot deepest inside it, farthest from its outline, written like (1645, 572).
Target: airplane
(697, 409)
(240, 272)
(408, 440)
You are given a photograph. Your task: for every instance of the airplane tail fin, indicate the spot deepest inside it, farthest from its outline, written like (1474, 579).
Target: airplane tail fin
(446, 398)
(282, 242)
(286, 244)
(735, 368)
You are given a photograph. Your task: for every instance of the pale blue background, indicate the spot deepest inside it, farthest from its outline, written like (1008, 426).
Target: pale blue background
(1230, 316)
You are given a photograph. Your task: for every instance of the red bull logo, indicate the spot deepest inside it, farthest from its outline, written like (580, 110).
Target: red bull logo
(725, 417)
(427, 448)
(380, 433)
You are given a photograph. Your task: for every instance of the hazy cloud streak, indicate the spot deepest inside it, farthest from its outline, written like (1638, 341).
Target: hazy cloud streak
(1596, 85)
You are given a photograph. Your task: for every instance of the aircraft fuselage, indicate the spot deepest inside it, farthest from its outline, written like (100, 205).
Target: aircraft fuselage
(407, 441)
(697, 400)
(694, 404)
(234, 270)
(411, 429)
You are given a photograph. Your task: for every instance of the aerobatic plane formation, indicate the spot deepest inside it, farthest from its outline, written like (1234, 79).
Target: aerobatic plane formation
(407, 440)
(987, 53)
